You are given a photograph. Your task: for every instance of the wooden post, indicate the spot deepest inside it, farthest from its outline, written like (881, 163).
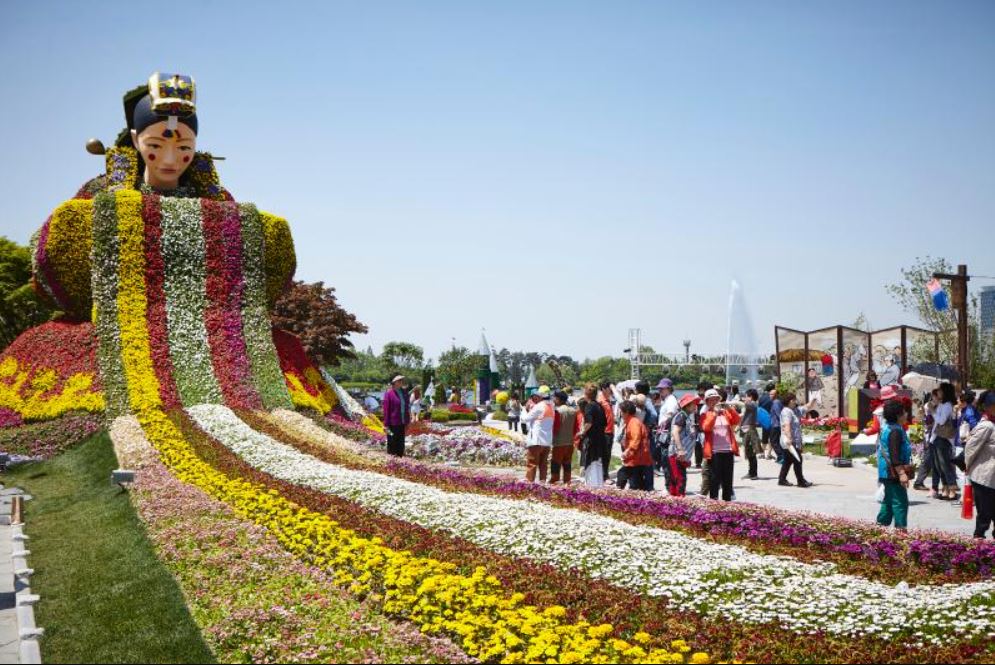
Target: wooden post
(839, 372)
(777, 353)
(958, 288)
(905, 351)
(805, 370)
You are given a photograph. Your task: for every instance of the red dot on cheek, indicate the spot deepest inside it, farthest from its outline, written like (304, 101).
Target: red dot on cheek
(152, 157)
(186, 159)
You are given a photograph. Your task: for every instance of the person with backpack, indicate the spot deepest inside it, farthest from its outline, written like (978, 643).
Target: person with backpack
(668, 409)
(565, 426)
(683, 439)
(749, 434)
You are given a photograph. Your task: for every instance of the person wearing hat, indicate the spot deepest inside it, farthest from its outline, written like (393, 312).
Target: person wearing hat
(668, 409)
(396, 415)
(683, 438)
(719, 422)
(565, 427)
(539, 418)
(979, 458)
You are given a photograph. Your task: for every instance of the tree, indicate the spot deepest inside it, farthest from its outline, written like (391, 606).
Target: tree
(20, 306)
(312, 312)
(402, 357)
(457, 367)
(861, 323)
(605, 368)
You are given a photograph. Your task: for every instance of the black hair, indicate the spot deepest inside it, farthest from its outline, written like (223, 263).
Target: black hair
(786, 399)
(703, 386)
(560, 395)
(144, 117)
(628, 407)
(770, 386)
(605, 385)
(735, 390)
(723, 394)
(968, 397)
(893, 410)
(947, 393)
(987, 398)
(753, 393)
(643, 387)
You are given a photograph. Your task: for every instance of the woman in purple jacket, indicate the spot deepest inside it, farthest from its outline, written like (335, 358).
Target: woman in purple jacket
(396, 415)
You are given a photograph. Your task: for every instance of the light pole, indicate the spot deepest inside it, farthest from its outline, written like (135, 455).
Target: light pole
(687, 351)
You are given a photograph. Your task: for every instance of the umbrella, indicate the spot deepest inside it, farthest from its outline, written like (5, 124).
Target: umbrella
(630, 384)
(936, 370)
(920, 383)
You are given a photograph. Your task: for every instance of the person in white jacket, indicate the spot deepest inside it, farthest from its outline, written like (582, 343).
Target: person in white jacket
(539, 417)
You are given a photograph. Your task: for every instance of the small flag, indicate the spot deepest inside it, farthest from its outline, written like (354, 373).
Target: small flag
(938, 294)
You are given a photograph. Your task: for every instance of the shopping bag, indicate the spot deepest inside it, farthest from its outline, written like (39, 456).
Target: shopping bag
(834, 445)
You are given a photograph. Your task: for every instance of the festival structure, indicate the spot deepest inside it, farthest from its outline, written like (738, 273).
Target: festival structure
(831, 365)
(166, 282)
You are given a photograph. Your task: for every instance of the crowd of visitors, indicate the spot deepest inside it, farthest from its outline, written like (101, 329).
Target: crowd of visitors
(659, 435)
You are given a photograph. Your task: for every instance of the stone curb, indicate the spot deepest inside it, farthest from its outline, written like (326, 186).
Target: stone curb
(12, 516)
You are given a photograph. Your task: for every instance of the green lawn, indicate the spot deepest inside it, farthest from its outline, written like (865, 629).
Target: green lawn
(105, 597)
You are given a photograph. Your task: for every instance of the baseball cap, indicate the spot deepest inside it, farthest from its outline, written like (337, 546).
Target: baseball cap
(665, 383)
(709, 394)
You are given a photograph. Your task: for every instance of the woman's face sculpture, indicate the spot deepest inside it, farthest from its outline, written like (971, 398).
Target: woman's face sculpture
(167, 153)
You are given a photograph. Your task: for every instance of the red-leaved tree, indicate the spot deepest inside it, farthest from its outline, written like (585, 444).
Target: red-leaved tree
(312, 312)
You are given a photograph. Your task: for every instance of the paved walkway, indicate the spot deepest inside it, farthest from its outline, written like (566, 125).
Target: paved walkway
(836, 493)
(840, 493)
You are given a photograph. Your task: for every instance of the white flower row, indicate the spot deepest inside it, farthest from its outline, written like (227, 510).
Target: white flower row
(715, 579)
(184, 259)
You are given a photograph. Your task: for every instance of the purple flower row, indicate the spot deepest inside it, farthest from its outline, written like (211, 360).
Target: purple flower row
(934, 551)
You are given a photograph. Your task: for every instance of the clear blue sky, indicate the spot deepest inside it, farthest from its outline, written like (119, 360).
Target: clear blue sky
(554, 171)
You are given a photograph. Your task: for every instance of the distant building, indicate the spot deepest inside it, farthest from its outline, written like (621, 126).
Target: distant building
(988, 312)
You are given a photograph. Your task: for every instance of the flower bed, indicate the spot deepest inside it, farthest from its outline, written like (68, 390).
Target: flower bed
(467, 446)
(855, 546)
(582, 597)
(253, 600)
(49, 371)
(743, 586)
(47, 439)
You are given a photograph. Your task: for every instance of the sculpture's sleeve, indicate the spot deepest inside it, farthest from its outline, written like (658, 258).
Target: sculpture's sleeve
(281, 261)
(60, 256)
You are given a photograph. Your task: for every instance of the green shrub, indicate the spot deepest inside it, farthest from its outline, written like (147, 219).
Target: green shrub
(459, 415)
(440, 415)
(499, 415)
